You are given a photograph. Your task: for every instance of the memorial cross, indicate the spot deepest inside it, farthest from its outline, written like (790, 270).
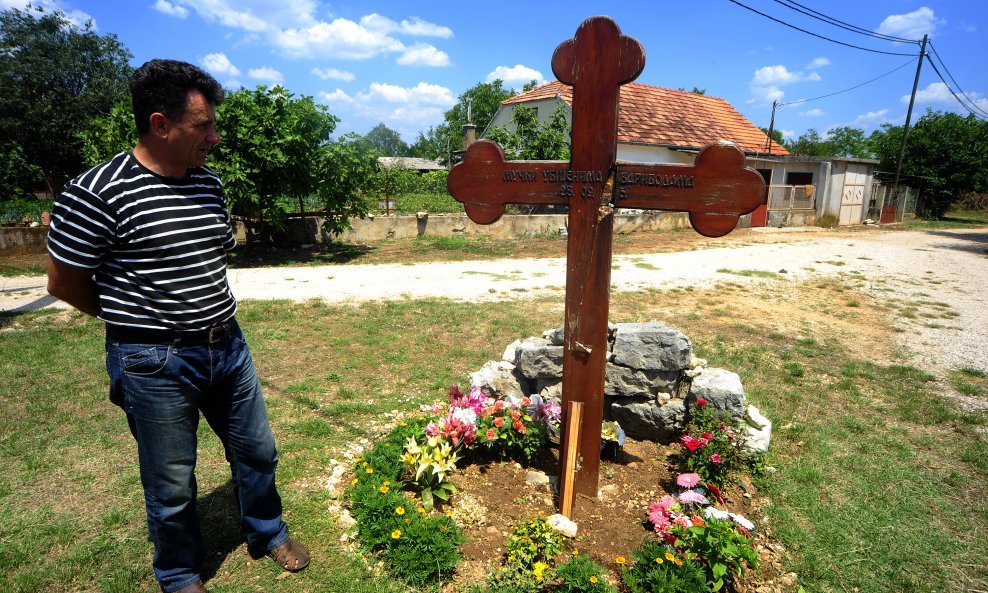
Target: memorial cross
(715, 191)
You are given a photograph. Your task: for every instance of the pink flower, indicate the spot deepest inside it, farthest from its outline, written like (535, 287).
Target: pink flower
(716, 458)
(688, 480)
(692, 497)
(690, 443)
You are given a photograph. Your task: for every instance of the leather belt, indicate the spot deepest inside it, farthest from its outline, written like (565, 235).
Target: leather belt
(214, 334)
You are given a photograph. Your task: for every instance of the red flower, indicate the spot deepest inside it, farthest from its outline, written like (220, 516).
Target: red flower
(491, 434)
(696, 520)
(701, 402)
(707, 436)
(499, 422)
(716, 492)
(691, 444)
(515, 415)
(519, 426)
(716, 458)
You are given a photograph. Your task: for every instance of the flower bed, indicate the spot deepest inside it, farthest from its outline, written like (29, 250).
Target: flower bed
(409, 512)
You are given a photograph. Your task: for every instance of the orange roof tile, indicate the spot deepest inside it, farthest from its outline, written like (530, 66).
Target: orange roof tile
(654, 115)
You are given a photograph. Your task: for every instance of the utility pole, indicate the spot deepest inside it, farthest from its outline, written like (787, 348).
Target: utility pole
(771, 126)
(909, 114)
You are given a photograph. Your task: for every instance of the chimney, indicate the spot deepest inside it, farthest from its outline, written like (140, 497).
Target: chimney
(469, 135)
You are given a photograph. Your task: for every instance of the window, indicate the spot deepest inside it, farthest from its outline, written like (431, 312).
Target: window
(799, 178)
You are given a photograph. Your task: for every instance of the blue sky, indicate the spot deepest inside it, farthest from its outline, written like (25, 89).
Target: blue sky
(405, 63)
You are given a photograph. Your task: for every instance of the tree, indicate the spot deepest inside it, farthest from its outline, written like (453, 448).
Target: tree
(695, 91)
(533, 139)
(17, 175)
(484, 98)
(348, 165)
(776, 136)
(807, 144)
(108, 135)
(848, 142)
(948, 151)
(273, 146)
(387, 141)
(56, 77)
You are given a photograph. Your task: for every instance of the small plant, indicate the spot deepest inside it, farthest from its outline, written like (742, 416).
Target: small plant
(612, 439)
(431, 462)
(724, 547)
(713, 445)
(532, 542)
(580, 574)
(510, 429)
(658, 569)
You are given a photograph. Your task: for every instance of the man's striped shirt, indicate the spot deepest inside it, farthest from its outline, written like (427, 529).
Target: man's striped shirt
(157, 245)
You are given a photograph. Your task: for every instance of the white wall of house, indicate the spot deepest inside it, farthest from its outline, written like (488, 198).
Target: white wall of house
(643, 153)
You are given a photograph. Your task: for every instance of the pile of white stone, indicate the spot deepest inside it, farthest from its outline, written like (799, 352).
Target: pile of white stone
(652, 381)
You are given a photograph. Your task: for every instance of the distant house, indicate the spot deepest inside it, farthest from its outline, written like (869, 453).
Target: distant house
(386, 163)
(658, 125)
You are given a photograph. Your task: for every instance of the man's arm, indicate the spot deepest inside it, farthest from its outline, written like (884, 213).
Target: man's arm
(75, 286)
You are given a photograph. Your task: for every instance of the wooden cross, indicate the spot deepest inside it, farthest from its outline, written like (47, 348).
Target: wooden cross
(715, 191)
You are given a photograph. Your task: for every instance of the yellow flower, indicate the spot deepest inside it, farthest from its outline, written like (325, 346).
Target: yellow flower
(421, 510)
(354, 481)
(679, 562)
(370, 470)
(670, 557)
(387, 482)
(400, 511)
(396, 534)
(593, 579)
(576, 552)
(408, 521)
(659, 561)
(620, 560)
(538, 569)
(384, 489)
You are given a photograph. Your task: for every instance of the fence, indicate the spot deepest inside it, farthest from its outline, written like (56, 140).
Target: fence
(884, 207)
(791, 197)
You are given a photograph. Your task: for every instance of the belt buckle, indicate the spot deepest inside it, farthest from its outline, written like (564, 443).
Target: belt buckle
(217, 333)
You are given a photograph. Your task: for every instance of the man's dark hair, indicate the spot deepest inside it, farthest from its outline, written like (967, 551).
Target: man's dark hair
(162, 86)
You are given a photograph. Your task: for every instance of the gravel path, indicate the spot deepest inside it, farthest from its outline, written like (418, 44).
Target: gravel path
(949, 267)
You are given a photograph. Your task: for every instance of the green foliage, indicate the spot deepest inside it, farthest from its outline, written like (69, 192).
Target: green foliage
(654, 572)
(533, 541)
(108, 135)
(725, 551)
(386, 141)
(429, 463)
(533, 139)
(843, 141)
(56, 77)
(713, 445)
(949, 152)
(347, 166)
(580, 574)
(18, 209)
(419, 547)
(18, 177)
(272, 150)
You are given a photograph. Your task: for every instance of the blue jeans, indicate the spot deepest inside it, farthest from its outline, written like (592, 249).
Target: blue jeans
(163, 387)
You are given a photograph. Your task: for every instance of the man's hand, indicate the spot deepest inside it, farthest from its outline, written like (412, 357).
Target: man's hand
(75, 286)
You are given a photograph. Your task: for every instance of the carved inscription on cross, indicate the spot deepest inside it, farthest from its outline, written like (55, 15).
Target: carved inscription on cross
(715, 191)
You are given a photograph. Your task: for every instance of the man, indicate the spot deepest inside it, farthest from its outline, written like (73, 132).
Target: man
(140, 242)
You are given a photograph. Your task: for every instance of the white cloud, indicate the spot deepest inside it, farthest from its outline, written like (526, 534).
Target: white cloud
(337, 96)
(818, 63)
(257, 16)
(333, 74)
(788, 133)
(415, 26)
(265, 74)
(175, 10)
(75, 16)
(767, 81)
(777, 74)
(422, 93)
(870, 118)
(912, 25)
(516, 75)
(813, 113)
(219, 65)
(341, 38)
(936, 92)
(424, 55)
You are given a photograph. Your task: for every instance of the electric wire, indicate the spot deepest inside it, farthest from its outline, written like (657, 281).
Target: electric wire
(791, 4)
(781, 22)
(964, 94)
(852, 88)
(962, 103)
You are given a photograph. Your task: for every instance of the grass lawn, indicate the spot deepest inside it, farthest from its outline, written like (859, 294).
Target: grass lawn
(879, 484)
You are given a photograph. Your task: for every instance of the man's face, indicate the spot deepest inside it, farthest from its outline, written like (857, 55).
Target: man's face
(194, 133)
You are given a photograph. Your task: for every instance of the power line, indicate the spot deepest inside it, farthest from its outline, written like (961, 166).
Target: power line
(849, 89)
(939, 59)
(781, 22)
(962, 103)
(790, 4)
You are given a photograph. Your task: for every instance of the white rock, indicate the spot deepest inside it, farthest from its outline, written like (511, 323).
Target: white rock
(509, 352)
(563, 525)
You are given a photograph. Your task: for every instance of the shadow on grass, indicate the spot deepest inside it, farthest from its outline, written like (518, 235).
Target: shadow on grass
(220, 519)
(261, 256)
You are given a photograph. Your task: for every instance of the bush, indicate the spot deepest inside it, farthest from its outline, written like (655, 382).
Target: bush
(713, 445)
(581, 575)
(654, 572)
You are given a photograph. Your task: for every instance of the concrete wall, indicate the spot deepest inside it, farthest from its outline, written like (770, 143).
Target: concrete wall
(17, 240)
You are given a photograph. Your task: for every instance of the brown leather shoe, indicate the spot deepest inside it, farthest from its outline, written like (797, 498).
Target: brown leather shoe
(196, 587)
(291, 555)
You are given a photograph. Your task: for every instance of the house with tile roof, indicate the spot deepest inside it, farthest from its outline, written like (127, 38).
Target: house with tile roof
(659, 125)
